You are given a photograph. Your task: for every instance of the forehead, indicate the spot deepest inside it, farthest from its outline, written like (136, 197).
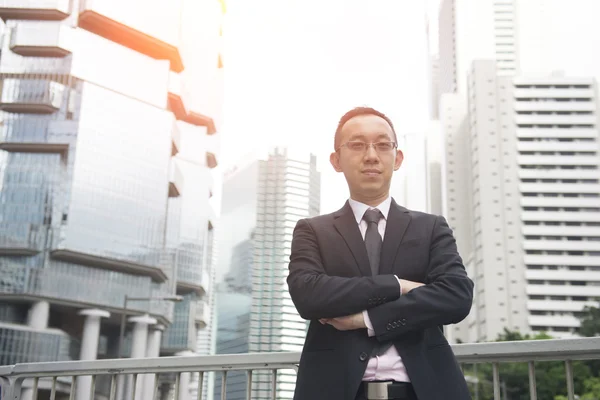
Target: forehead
(366, 125)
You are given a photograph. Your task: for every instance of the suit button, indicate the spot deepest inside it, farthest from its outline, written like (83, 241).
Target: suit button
(389, 327)
(363, 356)
(403, 321)
(394, 324)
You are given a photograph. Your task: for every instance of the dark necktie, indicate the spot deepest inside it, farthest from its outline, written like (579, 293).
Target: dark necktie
(373, 243)
(373, 239)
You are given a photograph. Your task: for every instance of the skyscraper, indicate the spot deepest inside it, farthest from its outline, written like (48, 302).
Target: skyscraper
(531, 153)
(512, 50)
(262, 201)
(104, 181)
(471, 30)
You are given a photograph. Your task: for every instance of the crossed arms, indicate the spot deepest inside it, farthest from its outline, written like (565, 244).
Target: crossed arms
(444, 298)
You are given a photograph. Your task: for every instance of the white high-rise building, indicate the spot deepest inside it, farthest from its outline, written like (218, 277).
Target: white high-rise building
(525, 37)
(288, 190)
(527, 158)
(471, 30)
(262, 202)
(525, 41)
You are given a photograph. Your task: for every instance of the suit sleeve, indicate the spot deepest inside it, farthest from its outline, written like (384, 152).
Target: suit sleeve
(445, 299)
(318, 295)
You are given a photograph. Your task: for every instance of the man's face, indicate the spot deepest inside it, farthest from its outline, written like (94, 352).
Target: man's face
(368, 171)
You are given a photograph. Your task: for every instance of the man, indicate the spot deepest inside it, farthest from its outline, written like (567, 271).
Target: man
(378, 283)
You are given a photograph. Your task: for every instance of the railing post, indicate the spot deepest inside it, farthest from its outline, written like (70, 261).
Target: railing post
(113, 387)
(532, 383)
(36, 382)
(249, 386)
(73, 387)
(476, 381)
(224, 386)
(569, 373)
(274, 386)
(53, 390)
(4, 385)
(496, 374)
(14, 389)
(200, 384)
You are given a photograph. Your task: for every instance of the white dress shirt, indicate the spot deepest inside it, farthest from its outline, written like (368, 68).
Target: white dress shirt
(388, 366)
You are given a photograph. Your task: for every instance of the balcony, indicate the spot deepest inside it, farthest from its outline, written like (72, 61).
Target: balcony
(175, 181)
(69, 285)
(38, 39)
(31, 95)
(198, 119)
(46, 10)
(175, 139)
(66, 247)
(200, 314)
(177, 96)
(270, 365)
(101, 261)
(103, 19)
(32, 135)
(211, 160)
(178, 100)
(20, 239)
(21, 344)
(181, 334)
(190, 277)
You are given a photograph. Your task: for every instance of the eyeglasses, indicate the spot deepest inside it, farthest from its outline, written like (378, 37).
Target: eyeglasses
(361, 147)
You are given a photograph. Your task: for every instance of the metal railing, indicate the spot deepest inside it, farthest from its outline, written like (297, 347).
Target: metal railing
(13, 377)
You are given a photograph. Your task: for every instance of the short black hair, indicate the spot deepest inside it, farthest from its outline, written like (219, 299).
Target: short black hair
(355, 112)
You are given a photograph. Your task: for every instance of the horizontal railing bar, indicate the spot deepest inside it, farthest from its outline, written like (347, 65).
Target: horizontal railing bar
(5, 370)
(529, 350)
(252, 361)
(519, 351)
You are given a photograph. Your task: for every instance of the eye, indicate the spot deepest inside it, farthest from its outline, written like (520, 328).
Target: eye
(385, 146)
(356, 145)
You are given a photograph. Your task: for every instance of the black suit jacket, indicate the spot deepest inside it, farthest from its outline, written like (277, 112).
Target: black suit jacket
(329, 276)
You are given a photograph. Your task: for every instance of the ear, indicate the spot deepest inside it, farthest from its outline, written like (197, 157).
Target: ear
(334, 159)
(399, 159)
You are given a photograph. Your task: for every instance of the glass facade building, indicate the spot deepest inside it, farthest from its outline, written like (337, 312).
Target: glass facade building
(105, 172)
(255, 312)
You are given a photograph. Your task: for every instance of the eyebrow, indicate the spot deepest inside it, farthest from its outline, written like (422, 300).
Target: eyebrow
(360, 135)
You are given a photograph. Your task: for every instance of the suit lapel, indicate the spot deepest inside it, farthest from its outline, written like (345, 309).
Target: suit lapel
(397, 223)
(346, 225)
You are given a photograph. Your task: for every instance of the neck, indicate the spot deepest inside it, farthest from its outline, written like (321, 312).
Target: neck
(370, 201)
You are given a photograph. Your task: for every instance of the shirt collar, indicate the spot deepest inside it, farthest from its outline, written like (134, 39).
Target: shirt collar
(359, 208)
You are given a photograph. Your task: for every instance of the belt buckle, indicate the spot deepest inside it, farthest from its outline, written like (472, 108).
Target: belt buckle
(377, 390)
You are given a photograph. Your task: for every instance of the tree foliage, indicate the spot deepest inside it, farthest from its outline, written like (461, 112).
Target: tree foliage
(590, 322)
(550, 376)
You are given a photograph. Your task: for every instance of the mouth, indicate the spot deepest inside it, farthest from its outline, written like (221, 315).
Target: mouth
(371, 172)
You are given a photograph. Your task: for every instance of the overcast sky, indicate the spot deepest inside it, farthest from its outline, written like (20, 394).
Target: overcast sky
(293, 67)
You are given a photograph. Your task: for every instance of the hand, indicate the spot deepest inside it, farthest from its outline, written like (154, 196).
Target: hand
(406, 286)
(347, 323)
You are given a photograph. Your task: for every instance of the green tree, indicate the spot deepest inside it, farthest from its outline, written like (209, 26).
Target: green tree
(590, 322)
(514, 377)
(590, 326)
(592, 389)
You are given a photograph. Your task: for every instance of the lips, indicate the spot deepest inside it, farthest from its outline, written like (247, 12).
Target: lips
(371, 172)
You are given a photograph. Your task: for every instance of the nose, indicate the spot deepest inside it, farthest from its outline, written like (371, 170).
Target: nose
(371, 154)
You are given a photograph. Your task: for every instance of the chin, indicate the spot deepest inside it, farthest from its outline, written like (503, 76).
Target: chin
(375, 188)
